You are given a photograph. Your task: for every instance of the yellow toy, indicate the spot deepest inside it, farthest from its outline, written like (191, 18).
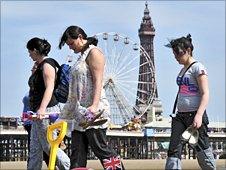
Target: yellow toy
(54, 143)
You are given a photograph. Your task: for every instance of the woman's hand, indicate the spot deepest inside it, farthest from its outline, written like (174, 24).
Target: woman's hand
(93, 109)
(41, 114)
(90, 113)
(197, 122)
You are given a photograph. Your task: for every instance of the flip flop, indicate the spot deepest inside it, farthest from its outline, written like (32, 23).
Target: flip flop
(194, 137)
(190, 135)
(95, 121)
(186, 135)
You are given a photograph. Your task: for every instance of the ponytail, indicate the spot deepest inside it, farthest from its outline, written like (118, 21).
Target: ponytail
(90, 41)
(45, 47)
(188, 37)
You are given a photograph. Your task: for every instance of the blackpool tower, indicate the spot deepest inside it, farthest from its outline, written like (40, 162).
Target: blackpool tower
(147, 34)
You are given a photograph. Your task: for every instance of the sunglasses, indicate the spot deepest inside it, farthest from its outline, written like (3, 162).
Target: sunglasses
(178, 52)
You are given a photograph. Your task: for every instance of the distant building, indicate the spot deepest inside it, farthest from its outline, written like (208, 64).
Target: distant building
(9, 122)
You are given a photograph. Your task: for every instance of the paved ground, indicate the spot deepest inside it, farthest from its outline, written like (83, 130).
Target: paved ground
(129, 165)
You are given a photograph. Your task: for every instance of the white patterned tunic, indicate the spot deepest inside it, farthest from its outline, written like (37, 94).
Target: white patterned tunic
(81, 95)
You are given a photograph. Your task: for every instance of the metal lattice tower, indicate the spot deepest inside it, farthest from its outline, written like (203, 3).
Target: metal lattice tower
(146, 34)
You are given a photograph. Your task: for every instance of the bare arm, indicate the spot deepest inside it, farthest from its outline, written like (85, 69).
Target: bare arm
(49, 79)
(204, 90)
(96, 63)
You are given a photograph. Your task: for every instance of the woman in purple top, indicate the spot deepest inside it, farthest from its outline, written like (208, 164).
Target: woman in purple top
(193, 97)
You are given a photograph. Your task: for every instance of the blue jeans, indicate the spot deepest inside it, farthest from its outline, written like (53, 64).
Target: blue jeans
(179, 124)
(39, 143)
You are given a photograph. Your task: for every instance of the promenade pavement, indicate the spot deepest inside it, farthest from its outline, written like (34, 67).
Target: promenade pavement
(129, 165)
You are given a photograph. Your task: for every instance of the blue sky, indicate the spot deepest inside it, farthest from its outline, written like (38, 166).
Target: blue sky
(204, 20)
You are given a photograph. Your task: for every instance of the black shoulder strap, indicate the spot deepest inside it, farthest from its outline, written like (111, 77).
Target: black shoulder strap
(175, 102)
(51, 61)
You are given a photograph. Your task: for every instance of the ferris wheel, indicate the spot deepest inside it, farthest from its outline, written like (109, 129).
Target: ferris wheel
(128, 77)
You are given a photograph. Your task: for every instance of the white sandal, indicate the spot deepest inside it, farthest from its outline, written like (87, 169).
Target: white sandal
(191, 135)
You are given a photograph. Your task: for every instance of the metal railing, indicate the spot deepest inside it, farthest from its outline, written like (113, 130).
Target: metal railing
(14, 147)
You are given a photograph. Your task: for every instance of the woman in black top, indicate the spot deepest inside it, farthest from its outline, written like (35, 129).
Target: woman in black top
(26, 122)
(42, 101)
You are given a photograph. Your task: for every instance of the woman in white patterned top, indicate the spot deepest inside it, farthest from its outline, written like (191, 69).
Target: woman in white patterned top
(86, 95)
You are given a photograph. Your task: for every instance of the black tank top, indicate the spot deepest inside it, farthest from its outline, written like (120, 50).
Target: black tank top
(37, 86)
